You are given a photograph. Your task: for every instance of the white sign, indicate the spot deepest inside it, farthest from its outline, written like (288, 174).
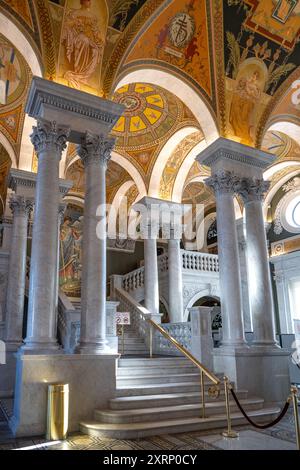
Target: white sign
(123, 318)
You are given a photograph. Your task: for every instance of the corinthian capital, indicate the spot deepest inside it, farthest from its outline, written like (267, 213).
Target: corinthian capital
(222, 181)
(48, 135)
(20, 206)
(252, 189)
(95, 149)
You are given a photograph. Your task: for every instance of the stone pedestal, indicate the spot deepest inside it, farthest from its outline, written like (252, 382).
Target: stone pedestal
(91, 379)
(202, 342)
(264, 373)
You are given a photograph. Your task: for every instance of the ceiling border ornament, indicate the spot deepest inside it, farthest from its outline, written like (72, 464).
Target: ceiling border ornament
(218, 47)
(48, 46)
(126, 37)
(279, 94)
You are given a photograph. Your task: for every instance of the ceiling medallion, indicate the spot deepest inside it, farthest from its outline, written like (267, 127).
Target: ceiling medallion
(181, 29)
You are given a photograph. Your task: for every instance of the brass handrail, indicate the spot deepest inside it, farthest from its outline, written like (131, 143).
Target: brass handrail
(184, 351)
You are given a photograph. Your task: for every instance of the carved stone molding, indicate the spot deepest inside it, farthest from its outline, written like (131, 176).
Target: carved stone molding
(95, 149)
(222, 182)
(252, 189)
(20, 205)
(48, 135)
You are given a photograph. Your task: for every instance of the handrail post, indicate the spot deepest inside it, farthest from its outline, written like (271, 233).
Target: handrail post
(294, 391)
(202, 393)
(151, 340)
(229, 432)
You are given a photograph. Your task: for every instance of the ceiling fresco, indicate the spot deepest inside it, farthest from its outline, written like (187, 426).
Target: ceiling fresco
(261, 50)
(178, 39)
(14, 82)
(240, 56)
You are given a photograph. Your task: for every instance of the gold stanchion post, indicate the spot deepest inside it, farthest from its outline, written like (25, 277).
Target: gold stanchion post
(151, 341)
(123, 340)
(229, 433)
(58, 412)
(294, 392)
(202, 393)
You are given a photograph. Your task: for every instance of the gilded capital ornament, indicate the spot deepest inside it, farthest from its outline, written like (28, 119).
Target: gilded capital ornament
(20, 206)
(48, 135)
(252, 189)
(223, 181)
(95, 149)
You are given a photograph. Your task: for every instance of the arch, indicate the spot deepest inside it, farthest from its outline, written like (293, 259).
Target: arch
(163, 157)
(286, 127)
(198, 295)
(275, 188)
(184, 170)
(8, 147)
(128, 166)
(77, 200)
(181, 89)
(19, 40)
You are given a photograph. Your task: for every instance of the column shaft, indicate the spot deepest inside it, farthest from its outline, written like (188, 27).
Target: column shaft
(95, 153)
(175, 281)
(17, 270)
(259, 277)
(49, 141)
(230, 282)
(151, 275)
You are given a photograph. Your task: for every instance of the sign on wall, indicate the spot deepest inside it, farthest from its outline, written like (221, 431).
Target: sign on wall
(123, 318)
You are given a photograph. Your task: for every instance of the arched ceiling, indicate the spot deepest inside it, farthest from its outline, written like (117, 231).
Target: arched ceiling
(238, 59)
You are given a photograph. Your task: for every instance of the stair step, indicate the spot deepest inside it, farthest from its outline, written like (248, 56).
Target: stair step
(151, 370)
(147, 401)
(153, 428)
(162, 388)
(193, 410)
(163, 377)
(147, 361)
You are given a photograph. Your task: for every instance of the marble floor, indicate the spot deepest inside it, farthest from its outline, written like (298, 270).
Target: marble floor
(280, 437)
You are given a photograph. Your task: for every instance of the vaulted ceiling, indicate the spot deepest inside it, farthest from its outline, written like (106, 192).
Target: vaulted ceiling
(186, 71)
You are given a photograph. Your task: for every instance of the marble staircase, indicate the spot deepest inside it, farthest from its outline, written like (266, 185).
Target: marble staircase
(134, 345)
(162, 395)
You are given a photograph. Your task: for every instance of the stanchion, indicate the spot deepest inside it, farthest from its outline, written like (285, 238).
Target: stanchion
(151, 341)
(229, 433)
(202, 393)
(294, 392)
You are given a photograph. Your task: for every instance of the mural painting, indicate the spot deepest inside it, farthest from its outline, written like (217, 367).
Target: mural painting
(179, 37)
(260, 52)
(82, 43)
(70, 261)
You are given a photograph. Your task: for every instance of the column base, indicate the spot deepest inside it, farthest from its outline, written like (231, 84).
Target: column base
(35, 346)
(91, 379)
(263, 372)
(99, 347)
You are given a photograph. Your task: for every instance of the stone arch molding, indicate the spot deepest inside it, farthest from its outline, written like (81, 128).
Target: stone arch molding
(192, 293)
(181, 89)
(19, 40)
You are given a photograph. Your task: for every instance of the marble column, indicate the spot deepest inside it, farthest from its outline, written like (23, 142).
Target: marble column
(49, 140)
(95, 153)
(21, 208)
(151, 273)
(252, 191)
(175, 278)
(223, 183)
